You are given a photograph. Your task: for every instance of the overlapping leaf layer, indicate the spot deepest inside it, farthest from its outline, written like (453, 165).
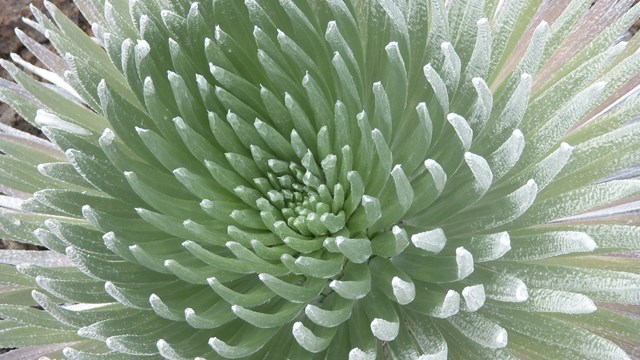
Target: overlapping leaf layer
(389, 179)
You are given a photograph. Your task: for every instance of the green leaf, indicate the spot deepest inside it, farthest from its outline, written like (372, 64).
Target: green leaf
(31, 317)
(23, 336)
(274, 316)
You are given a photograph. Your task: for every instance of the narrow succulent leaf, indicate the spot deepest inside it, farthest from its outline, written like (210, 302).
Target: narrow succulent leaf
(436, 304)
(282, 314)
(473, 298)
(543, 245)
(341, 179)
(490, 247)
(238, 348)
(393, 282)
(384, 324)
(21, 336)
(480, 329)
(390, 243)
(355, 286)
(554, 301)
(503, 211)
(450, 268)
(432, 241)
(438, 86)
(310, 341)
(339, 312)
(555, 334)
(428, 337)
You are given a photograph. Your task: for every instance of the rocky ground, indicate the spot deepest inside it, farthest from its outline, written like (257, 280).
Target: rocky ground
(11, 14)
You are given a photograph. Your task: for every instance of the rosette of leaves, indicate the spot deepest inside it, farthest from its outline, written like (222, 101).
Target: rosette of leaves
(388, 179)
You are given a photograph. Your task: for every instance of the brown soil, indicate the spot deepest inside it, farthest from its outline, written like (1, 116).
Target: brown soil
(11, 14)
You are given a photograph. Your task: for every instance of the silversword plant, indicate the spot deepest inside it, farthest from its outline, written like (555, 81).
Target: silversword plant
(329, 179)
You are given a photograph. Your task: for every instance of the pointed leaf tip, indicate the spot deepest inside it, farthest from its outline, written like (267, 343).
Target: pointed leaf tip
(385, 330)
(432, 241)
(405, 292)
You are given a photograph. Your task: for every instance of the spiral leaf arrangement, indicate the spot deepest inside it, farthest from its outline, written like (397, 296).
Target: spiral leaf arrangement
(336, 179)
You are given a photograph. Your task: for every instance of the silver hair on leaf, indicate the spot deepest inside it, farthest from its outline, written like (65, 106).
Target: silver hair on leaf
(336, 179)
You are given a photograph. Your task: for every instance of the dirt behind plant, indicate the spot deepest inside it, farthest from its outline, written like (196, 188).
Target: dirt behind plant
(11, 14)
